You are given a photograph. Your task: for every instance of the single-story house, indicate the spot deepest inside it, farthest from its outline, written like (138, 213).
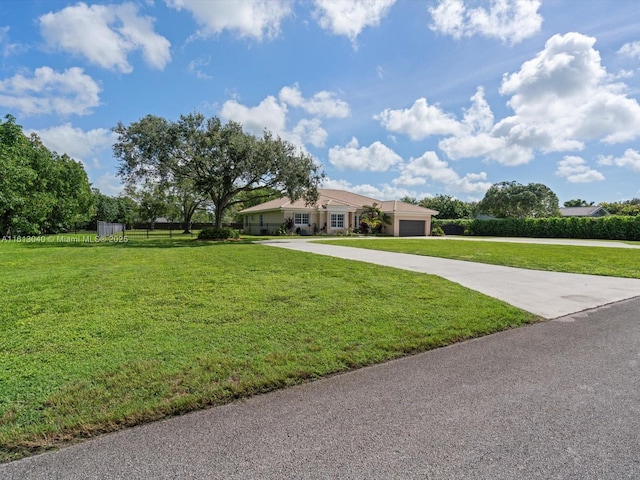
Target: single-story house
(335, 212)
(591, 211)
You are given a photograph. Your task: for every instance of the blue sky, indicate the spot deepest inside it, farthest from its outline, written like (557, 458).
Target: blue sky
(393, 98)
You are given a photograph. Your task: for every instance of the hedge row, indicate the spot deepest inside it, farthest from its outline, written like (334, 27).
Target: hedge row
(213, 233)
(614, 227)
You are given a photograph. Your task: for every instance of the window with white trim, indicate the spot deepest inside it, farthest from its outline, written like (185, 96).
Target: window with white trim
(356, 221)
(337, 220)
(301, 218)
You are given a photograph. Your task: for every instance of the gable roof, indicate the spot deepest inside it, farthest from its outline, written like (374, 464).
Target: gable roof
(327, 196)
(592, 211)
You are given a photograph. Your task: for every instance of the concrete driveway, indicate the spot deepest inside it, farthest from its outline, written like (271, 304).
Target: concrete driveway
(548, 294)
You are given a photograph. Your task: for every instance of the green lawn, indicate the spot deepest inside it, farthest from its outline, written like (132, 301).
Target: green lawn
(99, 336)
(614, 262)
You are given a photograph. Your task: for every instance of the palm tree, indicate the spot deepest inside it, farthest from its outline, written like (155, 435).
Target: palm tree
(374, 218)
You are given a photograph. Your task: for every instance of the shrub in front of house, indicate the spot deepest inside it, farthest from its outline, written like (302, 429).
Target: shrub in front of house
(213, 233)
(436, 231)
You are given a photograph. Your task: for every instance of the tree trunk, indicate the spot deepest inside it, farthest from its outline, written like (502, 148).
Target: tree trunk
(218, 216)
(188, 210)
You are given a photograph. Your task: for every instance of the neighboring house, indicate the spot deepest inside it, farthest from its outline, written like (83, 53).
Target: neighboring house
(335, 212)
(592, 211)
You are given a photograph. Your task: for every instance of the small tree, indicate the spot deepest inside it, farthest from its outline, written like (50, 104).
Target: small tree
(374, 218)
(447, 206)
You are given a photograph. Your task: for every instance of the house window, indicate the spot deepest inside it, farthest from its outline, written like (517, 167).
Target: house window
(356, 221)
(301, 218)
(261, 220)
(337, 220)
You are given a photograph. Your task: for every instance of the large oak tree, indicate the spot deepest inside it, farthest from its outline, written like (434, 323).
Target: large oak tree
(218, 160)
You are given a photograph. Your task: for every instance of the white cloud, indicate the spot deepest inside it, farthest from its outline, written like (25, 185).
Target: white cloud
(631, 50)
(563, 97)
(8, 48)
(48, 91)
(311, 131)
(195, 68)
(376, 157)
(77, 143)
(429, 168)
(350, 17)
(105, 35)
(382, 192)
(323, 103)
(478, 117)
(419, 121)
(449, 18)
(576, 170)
(476, 138)
(273, 114)
(508, 20)
(269, 114)
(108, 184)
(257, 19)
(630, 159)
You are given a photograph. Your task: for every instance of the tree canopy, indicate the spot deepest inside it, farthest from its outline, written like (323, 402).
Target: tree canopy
(447, 206)
(218, 160)
(513, 200)
(577, 202)
(625, 207)
(40, 191)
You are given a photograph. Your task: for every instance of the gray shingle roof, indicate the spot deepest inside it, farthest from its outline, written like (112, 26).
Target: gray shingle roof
(591, 211)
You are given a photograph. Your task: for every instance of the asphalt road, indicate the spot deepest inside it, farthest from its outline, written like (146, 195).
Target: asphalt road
(555, 400)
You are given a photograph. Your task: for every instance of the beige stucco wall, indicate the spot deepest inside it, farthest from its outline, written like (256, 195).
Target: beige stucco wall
(314, 218)
(271, 222)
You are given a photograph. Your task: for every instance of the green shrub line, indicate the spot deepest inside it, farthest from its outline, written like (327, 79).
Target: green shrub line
(214, 233)
(614, 227)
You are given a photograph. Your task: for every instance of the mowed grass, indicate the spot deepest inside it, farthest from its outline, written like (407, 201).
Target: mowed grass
(97, 337)
(613, 262)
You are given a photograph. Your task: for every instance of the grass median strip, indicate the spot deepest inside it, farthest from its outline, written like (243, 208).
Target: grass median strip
(613, 262)
(98, 338)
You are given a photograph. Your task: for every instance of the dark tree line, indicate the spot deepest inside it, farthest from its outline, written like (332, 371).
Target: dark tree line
(40, 191)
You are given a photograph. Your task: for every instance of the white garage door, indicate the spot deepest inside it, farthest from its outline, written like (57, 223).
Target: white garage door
(411, 228)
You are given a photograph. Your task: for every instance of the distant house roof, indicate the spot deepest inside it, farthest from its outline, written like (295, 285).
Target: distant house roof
(592, 211)
(327, 197)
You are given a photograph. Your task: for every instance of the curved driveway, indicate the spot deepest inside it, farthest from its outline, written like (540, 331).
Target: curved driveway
(559, 399)
(548, 294)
